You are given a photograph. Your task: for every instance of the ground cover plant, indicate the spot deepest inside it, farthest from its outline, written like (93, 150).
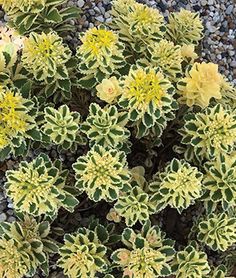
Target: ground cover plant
(142, 180)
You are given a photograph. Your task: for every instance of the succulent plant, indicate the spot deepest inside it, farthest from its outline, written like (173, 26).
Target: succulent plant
(37, 187)
(82, 255)
(147, 254)
(148, 97)
(106, 127)
(17, 123)
(218, 231)
(100, 55)
(178, 186)
(14, 260)
(135, 206)
(202, 83)
(208, 133)
(219, 182)
(191, 263)
(138, 25)
(38, 15)
(63, 127)
(45, 57)
(102, 173)
(218, 272)
(167, 57)
(35, 243)
(184, 27)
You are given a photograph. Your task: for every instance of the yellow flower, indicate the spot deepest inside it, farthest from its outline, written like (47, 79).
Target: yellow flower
(4, 140)
(109, 90)
(12, 118)
(188, 51)
(97, 40)
(202, 83)
(100, 54)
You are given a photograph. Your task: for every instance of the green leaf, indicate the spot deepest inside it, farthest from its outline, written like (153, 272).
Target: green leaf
(34, 134)
(53, 16)
(44, 229)
(64, 84)
(50, 246)
(139, 242)
(102, 233)
(70, 201)
(70, 13)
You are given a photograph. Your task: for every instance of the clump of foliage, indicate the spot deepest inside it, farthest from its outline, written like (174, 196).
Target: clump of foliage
(191, 263)
(147, 253)
(37, 187)
(25, 246)
(167, 57)
(178, 186)
(138, 25)
(184, 27)
(17, 123)
(110, 141)
(106, 127)
(39, 15)
(84, 253)
(134, 206)
(100, 55)
(45, 57)
(102, 173)
(63, 127)
(219, 182)
(209, 133)
(218, 231)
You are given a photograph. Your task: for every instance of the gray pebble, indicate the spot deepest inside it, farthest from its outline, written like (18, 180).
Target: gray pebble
(80, 3)
(3, 217)
(229, 9)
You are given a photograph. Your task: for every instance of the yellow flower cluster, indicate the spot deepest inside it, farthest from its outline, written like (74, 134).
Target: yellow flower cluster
(43, 54)
(137, 24)
(143, 88)
(100, 53)
(13, 117)
(202, 83)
